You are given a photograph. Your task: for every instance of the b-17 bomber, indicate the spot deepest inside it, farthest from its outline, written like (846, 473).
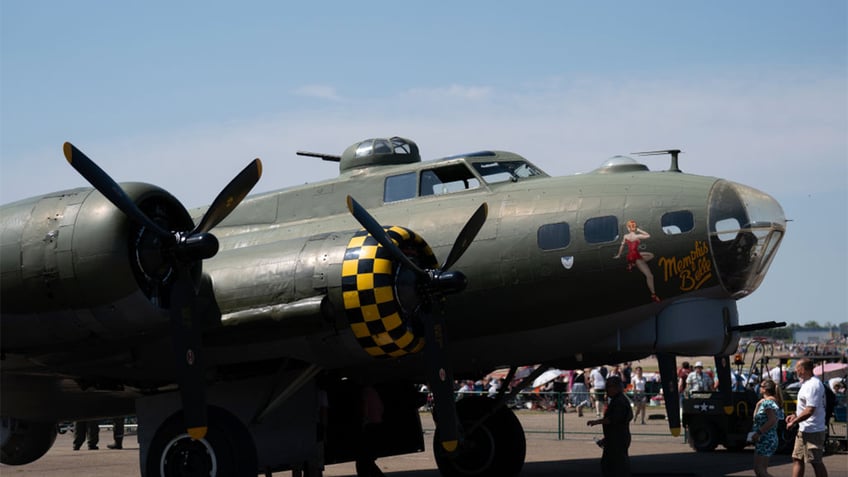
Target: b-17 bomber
(243, 334)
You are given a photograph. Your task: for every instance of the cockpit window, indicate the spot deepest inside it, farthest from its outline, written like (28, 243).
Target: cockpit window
(399, 187)
(443, 180)
(503, 171)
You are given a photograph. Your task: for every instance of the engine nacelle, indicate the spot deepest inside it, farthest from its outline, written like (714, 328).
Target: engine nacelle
(75, 263)
(22, 442)
(379, 295)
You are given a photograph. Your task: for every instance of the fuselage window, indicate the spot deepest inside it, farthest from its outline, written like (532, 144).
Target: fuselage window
(553, 236)
(601, 229)
(399, 187)
(677, 222)
(453, 178)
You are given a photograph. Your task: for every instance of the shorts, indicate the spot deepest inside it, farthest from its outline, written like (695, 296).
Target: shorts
(809, 447)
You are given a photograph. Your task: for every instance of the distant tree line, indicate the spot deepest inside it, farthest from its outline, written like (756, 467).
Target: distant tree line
(787, 332)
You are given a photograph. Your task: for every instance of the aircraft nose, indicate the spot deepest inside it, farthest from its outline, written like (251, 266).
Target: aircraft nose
(746, 226)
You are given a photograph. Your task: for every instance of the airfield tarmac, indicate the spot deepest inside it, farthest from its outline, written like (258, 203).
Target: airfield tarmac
(654, 452)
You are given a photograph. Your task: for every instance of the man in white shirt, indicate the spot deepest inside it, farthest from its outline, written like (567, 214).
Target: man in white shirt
(599, 383)
(809, 417)
(776, 374)
(697, 381)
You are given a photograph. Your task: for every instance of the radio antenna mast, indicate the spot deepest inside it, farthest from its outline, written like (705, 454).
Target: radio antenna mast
(673, 152)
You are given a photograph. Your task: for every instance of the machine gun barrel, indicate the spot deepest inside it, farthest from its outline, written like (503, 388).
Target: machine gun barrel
(326, 157)
(757, 326)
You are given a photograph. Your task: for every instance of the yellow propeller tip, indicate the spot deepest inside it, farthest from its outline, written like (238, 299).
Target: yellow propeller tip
(450, 446)
(197, 433)
(67, 149)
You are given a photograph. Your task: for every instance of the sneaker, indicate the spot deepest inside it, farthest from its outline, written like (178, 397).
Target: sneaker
(93, 448)
(76, 447)
(114, 446)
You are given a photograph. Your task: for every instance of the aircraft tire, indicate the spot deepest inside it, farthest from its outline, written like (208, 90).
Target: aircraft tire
(496, 448)
(703, 436)
(227, 449)
(25, 441)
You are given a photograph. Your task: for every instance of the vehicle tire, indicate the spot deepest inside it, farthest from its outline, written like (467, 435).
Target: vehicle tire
(703, 436)
(494, 449)
(227, 449)
(25, 441)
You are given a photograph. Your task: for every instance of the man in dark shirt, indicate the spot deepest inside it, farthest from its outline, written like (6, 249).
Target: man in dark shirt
(616, 421)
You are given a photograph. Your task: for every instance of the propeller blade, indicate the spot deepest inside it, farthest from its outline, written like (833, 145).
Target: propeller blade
(466, 236)
(379, 233)
(440, 380)
(110, 189)
(230, 197)
(668, 374)
(186, 328)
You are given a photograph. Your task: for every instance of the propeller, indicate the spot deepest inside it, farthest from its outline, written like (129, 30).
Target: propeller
(182, 250)
(432, 284)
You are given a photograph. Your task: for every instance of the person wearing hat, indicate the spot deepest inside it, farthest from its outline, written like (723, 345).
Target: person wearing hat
(615, 461)
(697, 381)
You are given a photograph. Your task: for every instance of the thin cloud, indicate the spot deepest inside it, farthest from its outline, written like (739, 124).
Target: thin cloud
(320, 91)
(754, 132)
(453, 92)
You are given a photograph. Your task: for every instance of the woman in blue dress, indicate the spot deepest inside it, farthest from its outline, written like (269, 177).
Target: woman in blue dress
(579, 392)
(764, 432)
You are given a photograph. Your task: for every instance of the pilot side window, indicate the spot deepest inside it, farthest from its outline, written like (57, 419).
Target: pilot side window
(443, 180)
(400, 187)
(677, 222)
(601, 229)
(553, 236)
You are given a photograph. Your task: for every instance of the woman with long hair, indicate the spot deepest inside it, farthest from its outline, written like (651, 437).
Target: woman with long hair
(764, 430)
(579, 392)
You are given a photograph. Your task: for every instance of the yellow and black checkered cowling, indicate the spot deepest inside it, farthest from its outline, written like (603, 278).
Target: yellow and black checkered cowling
(370, 295)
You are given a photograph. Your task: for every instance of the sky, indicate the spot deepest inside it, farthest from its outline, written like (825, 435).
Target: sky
(184, 94)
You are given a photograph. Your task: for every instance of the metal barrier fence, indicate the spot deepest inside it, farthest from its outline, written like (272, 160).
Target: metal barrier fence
(558, 404)
(547, 415)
